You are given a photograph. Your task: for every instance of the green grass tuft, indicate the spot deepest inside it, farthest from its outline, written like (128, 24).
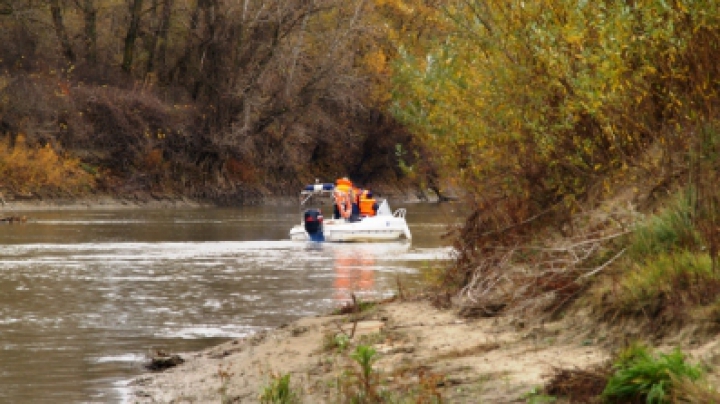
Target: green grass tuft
(640, 374)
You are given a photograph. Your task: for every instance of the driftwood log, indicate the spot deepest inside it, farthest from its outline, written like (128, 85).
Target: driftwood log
(161, 362)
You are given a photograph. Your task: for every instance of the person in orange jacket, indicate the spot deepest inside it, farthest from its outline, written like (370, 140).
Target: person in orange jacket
(368, 204)
(343, 191)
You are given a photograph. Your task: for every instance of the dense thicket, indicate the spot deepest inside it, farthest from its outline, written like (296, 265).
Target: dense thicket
(536, 105)
(209, 97)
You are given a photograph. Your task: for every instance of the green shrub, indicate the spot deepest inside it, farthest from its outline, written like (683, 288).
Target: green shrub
(363, 384)
(640, 374)
(355, 306)
(279, 391)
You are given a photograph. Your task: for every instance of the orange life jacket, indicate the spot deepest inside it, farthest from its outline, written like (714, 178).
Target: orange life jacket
(367, 205)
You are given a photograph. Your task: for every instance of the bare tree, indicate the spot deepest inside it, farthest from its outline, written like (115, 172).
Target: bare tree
(61, 30)
(273, 88)
(162, 34)
(132, 34)
(89, 11)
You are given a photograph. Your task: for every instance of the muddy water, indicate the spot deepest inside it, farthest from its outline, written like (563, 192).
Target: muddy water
(85, 295)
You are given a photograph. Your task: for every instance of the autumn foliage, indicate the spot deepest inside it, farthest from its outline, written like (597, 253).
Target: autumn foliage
(535, 101)
(541, 109)
(27, 169)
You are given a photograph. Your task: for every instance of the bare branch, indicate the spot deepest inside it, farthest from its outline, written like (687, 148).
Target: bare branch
(536, 278)
(603, 266)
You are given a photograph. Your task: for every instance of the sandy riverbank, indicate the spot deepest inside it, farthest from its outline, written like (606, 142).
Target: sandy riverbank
(483, 360)
(467, 361)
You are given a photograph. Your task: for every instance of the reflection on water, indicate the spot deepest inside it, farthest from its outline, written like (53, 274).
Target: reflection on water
(355, 266)
(352, 276)
(85, 295)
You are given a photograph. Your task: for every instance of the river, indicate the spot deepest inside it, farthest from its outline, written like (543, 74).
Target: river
(85, 295)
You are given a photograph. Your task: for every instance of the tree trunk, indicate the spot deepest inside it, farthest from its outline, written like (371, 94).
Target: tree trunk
(183, 65)
(163, 35)
(61, 31)
(90, 18)
(132, 35)
(153, 42)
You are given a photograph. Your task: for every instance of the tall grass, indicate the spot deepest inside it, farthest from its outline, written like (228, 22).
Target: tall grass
(667, 281)
(705, 174)
(671, 230)
(666, 269)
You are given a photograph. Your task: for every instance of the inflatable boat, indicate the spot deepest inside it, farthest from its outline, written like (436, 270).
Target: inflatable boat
(319, 200)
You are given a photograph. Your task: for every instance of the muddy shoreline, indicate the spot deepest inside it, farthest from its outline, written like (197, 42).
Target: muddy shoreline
(99, 203)
(143, 200)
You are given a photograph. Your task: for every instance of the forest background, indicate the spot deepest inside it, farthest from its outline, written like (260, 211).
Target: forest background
(527, 104)
(224, 101)
(523, 106)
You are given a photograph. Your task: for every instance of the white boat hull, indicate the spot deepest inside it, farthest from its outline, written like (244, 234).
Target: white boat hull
(378, 228)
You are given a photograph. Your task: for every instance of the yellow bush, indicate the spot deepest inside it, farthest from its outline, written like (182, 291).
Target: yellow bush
(26, 168)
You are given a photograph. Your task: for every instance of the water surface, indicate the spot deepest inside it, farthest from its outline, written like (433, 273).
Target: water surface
(85, 295)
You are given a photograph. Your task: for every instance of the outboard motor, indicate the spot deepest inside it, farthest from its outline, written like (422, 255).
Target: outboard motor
(314, 224)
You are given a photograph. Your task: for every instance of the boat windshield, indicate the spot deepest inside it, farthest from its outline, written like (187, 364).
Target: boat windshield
(318, 198)
(384, 209)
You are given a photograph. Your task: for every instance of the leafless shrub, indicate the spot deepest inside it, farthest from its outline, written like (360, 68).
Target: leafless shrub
(543, 277)
(30, 106)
